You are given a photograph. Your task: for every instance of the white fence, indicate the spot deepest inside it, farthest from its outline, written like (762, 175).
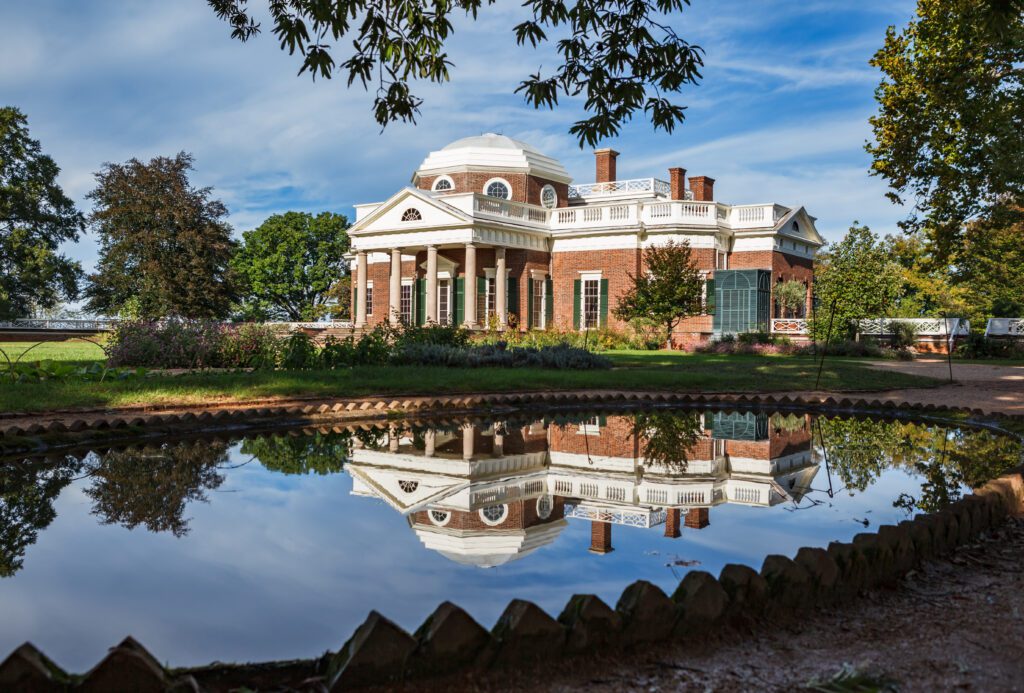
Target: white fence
(90, 325)
(924, 327)
(1005, 327)
(614, 187)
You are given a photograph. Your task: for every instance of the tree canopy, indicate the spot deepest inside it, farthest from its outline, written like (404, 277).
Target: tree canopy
(320, 454)
(859, 279)
(164, 246)
(288, 265)
(620, 56)
(35, 218)
(949, 134)
(989, 265)
(669, 291)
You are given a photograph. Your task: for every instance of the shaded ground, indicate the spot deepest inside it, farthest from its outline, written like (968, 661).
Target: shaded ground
(956, 624)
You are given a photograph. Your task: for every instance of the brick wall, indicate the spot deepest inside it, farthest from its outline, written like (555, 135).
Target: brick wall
(525, 188)
(614, 265)
(616, 439)
(521, 514)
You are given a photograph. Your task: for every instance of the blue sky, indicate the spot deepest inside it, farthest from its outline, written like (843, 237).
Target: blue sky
(780, 116)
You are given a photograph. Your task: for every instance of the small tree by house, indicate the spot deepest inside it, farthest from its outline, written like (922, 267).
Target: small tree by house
(859, 279)
(669, 291)
(791, 296)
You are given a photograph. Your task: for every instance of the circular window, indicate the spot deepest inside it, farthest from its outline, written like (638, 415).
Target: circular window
(548, 196)
(496, 187)
(440, 517)
(544, 507)
(408, 486)
(443, 183)
(494, 514)
(412, 214)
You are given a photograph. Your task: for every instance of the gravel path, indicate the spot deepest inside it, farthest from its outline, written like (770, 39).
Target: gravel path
(995, 389)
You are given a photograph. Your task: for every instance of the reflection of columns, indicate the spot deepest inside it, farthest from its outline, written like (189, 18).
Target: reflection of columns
(501, 288)
(672, 523)
(470, 286)
(395, 289)
(360, 289)
(499, 443)
(393, 439)
(429, 439)
(468, 434)
(600, 537)
(431, 284)
(698, 518)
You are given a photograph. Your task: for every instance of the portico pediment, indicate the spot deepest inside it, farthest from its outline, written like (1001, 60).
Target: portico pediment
(797, 223)
(410, 210)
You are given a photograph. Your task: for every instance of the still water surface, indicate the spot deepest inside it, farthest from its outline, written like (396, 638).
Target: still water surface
(276, 547)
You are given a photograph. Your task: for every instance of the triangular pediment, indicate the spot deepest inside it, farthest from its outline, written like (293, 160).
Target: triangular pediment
(797, 223)
(399, 212)
(407, 490)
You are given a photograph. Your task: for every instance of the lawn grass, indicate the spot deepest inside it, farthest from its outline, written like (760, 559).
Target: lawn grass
(76, 351)
(673, 371)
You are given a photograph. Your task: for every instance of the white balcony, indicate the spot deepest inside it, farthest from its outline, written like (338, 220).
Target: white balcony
(595, 216)
(620, 188)
(505, 210)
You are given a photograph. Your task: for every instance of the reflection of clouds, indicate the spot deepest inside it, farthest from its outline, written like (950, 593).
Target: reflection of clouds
(287, 566)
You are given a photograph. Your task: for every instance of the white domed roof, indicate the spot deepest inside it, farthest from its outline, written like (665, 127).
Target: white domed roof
(492, 153)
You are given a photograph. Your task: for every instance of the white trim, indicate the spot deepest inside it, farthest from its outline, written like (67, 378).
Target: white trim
(537, 274)
(508, 186)
(590, 274)
(433, 186)
(447, 519)
(545, 514)
(494, 523)
(490, 272)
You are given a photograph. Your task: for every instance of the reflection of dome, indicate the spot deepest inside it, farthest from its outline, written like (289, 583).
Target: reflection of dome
(486, 549)
(491, 152)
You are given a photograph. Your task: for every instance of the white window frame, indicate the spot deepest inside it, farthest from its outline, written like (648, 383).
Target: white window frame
(508, 187)
(438, 523)
(369, 298)
(437, 180)
(490, 275)
(542, 277)
(445, 282)
(721, 259)
(584, 278)
(410, 285)
(704, 292)
(548, 188)
(493, 523)
(590, 427)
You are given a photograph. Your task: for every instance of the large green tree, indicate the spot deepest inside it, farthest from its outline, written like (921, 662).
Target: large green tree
(35, 218)
(667, 292)
(288, 265)
(855, 279)
(618, 57)
(318, 453)
(989, 265)
(164, 245)
(949, 134)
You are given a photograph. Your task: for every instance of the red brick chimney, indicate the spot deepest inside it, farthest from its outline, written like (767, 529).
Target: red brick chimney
(605, 160)
(677, 180)
(703, 188)
(600, 537)
(697, 518)
(672, 523)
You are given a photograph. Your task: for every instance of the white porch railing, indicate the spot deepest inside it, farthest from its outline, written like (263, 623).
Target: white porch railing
(1005, 327)
(617, 187)
(630, 517)
(90, 325)
(789, 326)
(680, 212)
(753, 216)
(925, 327)
(505, 210)
(594, 216)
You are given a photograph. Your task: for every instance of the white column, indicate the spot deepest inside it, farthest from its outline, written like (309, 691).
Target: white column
(470, 286)
(499, 443)
(468, 434)
(393, 439)
(431, 284)
(429, 442)
(360, 289)
(395, 288)
(501, 288)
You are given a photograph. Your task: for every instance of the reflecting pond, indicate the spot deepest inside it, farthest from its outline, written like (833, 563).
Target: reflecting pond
(276, 546)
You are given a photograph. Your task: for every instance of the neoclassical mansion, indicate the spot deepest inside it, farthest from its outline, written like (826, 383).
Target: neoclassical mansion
(492, 233)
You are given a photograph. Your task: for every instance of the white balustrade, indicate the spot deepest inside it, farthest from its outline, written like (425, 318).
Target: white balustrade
(789, 326)
(506, 209)
(618, 187)
(1005, 327)
(88, 325)
(926, 327)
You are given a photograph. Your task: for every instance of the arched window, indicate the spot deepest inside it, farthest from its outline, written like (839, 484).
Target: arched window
(497, 187)
(548, 196)
(408, 486)
(443, 183)
(412, 214)
(544, 507)
(440, 517)
(494, 514)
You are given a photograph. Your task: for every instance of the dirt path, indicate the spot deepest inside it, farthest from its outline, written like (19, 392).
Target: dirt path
(956, 624)
(993, 388)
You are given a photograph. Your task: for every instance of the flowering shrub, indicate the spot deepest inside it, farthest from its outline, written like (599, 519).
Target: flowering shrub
(167, 344)
(250, 345)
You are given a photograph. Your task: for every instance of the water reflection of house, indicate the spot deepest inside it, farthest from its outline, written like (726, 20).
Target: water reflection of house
(484, 495)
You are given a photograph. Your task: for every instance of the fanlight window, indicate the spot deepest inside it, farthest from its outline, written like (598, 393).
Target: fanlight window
(440, 517)
(442, 184)
(408, 486)
(497, 189)
(494, 514)
(412, 214)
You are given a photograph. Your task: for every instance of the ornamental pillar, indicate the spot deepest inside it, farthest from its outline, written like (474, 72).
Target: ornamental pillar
(431, 316)
(468, 440)
(395, 288)
(470, 286)
(501, 288)
(360, 289)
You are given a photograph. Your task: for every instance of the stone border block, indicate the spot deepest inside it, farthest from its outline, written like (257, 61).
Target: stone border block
(703, 602)
(450, 638)
(648, 614)
(590, 623)
(377, 652)
(526, 633)
(746, 590)
(127, 667)
(27, 669)
(788, 582)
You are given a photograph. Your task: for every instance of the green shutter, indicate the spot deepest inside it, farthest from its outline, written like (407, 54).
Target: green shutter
(576, 304)
(549, 301)
(709, 303)
(421, 301)
(481, 301)
(459, 309)
(529, 303)
(512, 297)
(604, 304)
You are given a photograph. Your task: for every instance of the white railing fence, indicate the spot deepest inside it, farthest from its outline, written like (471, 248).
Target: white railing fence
(1005, 327)
(60, 324)
(615, 187)
(506, 209)
(924, 327)
(789, 326)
